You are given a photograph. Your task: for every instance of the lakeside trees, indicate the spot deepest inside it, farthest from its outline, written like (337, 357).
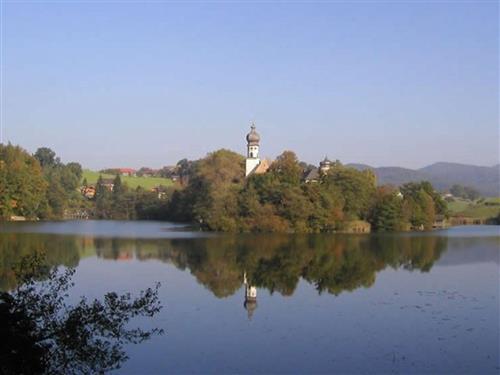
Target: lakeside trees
(122, 203)
(220, 199)
(38, 186)
(41, 186)
(215, 194)
(63, 181)
(23, 187)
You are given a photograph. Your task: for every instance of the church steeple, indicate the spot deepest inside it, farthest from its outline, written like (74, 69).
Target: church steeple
(324, 166)
(253, 140)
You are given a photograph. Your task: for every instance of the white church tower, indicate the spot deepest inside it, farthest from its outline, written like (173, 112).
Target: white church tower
(253, 161)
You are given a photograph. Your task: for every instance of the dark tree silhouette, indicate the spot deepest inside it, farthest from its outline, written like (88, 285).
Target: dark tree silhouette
(42, 333)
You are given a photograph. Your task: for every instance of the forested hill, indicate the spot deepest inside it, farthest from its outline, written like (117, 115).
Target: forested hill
(442, 176)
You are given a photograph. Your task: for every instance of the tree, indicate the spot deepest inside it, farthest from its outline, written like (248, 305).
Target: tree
(102, 200)
(22, 186)
(185, 168)
(287, 168)
(465, 192)
(122, 201)
(357, 189)
(42, 333)
(63, 182)
(421, 204)
(76, 169)
(387, 213)
(46, 157)
(211, 196)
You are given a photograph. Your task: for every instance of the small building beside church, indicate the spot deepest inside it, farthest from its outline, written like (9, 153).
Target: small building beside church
(315, 174)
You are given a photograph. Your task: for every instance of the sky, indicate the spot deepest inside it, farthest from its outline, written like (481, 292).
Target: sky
(131, 84)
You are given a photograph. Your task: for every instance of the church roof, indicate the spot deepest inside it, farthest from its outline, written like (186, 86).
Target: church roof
(262, 167)
(312, 175)
(253, 137)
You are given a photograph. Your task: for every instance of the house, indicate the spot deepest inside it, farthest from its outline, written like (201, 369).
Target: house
(126, 171)
(146, 172)
(88, 191)
(108, 183)
(161, 191)
(314, 175)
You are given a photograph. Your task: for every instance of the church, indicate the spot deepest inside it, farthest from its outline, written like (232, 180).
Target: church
(254, 165)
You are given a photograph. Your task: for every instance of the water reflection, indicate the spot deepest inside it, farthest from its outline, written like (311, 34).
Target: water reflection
(333, 264)
(250, 303)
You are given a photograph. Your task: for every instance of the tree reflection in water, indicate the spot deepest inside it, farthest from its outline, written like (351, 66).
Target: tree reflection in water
(332, 263)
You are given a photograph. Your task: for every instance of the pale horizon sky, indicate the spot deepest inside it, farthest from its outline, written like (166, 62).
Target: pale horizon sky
(131, 84)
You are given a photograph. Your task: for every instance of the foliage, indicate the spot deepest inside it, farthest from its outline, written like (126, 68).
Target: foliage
(357, 189)
(22, 185)
(42, 333)
(465, 192)
(211, 196)
(387, 212)
(46, 157)
(421, 204)
(122, 203)
(219, 198)
(215, 194)
(102, 200)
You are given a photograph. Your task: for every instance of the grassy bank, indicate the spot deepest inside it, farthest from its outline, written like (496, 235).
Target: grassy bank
(481, 208)
(132, 182)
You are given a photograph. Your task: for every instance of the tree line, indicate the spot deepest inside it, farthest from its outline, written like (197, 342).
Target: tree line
(214, 193)
(40, 186)
(36, 186)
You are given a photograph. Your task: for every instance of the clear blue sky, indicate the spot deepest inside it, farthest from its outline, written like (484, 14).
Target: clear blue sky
(148, 83)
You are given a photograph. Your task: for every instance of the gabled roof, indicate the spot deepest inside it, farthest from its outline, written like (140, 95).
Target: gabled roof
(126, 170)
(262, 167)
(312, 175)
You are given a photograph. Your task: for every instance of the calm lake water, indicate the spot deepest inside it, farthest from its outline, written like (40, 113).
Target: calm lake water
(421, 303)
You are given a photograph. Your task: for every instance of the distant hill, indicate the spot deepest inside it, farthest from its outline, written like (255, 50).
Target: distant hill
(442, 175)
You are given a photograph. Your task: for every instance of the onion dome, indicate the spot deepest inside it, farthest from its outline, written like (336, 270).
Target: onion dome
(325, 162)
(253, 138)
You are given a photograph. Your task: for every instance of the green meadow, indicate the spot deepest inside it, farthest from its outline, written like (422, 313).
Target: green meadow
(481, 208)
(132, 182)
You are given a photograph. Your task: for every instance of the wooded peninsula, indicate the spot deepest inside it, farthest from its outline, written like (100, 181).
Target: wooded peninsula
(214, 193)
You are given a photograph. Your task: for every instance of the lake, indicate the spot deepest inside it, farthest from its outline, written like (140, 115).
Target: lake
(405, 302)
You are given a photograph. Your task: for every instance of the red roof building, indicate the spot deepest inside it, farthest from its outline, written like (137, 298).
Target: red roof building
(126, 171)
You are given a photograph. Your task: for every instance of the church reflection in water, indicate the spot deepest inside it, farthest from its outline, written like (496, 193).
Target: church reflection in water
(250, 303)
(225, 264)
